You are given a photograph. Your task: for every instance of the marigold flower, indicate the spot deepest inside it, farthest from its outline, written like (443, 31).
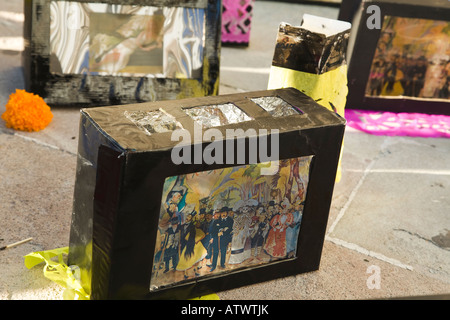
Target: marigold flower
(27, 112)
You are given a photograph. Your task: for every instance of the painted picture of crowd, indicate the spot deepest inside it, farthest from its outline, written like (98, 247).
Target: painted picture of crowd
(412, 59)
(221, 220)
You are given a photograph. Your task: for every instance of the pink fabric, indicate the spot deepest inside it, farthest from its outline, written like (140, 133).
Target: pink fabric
(236, 20)
(399, 124)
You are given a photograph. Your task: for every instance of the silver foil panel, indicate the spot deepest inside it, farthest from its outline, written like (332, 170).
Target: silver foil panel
(156, 121)
(217, 115)
(276, 106)
(126, 40)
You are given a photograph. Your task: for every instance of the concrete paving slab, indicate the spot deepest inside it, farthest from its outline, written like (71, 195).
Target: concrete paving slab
(389, 212)
(403, 205)
(343, 275)
(36, 188)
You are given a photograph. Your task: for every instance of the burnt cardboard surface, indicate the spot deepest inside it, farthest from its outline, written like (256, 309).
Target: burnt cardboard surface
(361, 51)
(123, 188)
(311, 48)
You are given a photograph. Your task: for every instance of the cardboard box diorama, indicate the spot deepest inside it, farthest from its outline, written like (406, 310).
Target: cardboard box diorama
(309, 58)
(399, 55)
(108, 52)
(182, 198)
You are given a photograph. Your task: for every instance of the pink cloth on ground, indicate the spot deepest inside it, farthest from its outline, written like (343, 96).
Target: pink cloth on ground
(399, 124)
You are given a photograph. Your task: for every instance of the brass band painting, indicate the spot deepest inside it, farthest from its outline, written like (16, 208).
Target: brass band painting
(125, 40)
(223, 220)
(412, 59)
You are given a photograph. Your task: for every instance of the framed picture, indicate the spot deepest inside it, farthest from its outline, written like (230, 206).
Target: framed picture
(229, 219)
(401, 62)
(155, 219)
(115, 52)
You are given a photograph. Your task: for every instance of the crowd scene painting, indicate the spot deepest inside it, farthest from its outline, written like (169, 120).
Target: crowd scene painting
(220, 220)
(412, 59)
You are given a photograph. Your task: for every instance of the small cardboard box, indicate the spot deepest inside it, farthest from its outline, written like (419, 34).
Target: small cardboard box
(311, 58)
(107, 52)
(182, 198)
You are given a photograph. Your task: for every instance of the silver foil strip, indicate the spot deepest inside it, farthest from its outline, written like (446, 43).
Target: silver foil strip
(156, 121)
(276, 106)
(217, 115)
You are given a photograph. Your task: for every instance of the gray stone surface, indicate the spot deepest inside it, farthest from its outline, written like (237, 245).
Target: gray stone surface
(390, 210)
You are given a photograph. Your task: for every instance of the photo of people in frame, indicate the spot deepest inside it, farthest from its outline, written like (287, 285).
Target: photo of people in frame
(227, 219)
(412, 59)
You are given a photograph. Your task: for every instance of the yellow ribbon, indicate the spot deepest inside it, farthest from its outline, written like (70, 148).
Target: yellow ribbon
(59, 272)
(69, 277)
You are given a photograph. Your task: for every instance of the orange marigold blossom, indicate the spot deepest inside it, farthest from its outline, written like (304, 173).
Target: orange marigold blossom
(27, 112)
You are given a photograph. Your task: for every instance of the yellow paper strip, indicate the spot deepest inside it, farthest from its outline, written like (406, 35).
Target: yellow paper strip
(328, 89)
(69, 276)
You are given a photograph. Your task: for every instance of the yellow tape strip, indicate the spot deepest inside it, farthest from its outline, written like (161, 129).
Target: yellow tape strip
(58, 271)
(329, 87)
(324, 88)
(69, 277)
